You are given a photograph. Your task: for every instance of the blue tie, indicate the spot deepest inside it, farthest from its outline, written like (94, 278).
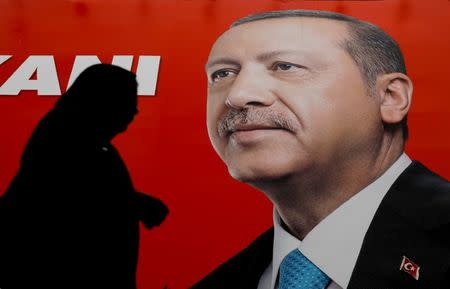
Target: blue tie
(297, 272)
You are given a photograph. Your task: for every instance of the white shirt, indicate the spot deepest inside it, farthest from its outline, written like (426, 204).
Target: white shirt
(334, 244)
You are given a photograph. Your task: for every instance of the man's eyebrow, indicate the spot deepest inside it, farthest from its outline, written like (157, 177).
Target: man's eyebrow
(271, 54)
(260, 57)
(222, 60)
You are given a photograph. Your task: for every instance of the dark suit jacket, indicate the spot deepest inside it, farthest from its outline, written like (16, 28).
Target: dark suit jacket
(413, 220)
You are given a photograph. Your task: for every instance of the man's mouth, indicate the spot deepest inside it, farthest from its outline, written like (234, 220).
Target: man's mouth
(253, 122)
(251, 134)
(248, 127)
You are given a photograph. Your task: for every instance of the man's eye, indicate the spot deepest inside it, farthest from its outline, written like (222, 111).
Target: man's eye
(218, 75)
(284, 66)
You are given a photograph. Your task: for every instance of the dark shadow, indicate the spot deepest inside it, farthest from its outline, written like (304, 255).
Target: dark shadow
(70, 218)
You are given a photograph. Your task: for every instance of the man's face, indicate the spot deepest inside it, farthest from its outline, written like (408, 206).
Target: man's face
(284, 98)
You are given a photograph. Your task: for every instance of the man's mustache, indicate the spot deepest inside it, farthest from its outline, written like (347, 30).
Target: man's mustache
(235, 119)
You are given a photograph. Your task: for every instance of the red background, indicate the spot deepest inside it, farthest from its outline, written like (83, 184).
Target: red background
(167, 148)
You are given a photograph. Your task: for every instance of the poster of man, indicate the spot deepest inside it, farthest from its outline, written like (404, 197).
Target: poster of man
(175, 147)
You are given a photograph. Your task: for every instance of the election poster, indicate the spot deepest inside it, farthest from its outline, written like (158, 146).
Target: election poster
(47, 44)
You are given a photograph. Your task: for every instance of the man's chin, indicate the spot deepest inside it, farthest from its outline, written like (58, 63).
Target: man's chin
(255, 176)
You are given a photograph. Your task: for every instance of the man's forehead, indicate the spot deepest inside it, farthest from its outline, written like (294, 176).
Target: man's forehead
(282, 33)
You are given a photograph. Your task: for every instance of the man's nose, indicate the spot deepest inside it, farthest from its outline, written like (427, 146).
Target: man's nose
(250, 88)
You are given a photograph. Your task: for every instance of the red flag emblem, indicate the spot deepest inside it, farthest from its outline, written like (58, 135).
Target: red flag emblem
(410, 267)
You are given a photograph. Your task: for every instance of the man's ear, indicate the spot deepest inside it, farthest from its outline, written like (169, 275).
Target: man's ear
(394, 91)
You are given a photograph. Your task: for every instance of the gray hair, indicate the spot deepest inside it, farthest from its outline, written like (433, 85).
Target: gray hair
(372, 49)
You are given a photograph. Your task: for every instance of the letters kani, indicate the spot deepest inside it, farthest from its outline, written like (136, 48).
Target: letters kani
(46, 81)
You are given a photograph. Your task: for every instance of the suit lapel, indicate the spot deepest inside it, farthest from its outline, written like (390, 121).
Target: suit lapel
(259, 257)
(243, 270)
(413, 221)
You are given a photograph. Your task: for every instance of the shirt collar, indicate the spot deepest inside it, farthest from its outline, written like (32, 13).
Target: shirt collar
(334, 244)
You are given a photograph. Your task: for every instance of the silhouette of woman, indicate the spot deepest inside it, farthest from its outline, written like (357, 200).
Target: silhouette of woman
(70, 218)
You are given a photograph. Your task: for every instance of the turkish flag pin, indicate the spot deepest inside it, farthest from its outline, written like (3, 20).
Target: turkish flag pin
(410, 267)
